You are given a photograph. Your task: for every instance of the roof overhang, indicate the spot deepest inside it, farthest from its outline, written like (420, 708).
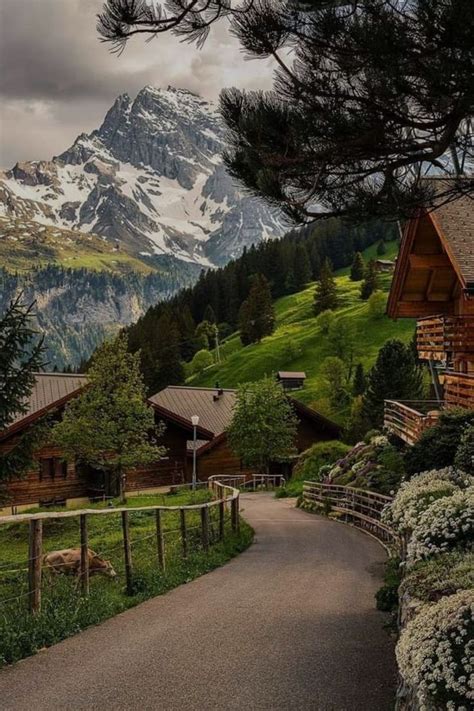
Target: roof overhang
(186, 425)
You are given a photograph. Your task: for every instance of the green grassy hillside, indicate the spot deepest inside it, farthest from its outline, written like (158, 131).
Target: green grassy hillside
(24, 243)
(296, 324)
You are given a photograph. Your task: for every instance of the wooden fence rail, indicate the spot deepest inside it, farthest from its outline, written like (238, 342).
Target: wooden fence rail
(359, 507)
(223, 496)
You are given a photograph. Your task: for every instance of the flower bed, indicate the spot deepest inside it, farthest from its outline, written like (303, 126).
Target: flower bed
(435, 653)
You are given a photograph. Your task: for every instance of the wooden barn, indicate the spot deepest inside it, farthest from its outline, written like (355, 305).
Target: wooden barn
(52, 481)
(214, 407)
(291, 380)
(434, 283)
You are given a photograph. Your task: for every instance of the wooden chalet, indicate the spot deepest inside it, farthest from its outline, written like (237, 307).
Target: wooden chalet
(384, 265)
(214, 406)
(52, 481)
(291, 380)
(434, 283)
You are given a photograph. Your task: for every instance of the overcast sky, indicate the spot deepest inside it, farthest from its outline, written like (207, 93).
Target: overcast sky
(57, 80)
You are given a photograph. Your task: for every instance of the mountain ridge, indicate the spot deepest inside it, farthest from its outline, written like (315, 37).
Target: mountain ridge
(150, 178)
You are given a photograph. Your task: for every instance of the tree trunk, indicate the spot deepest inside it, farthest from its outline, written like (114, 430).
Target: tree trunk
(122, 479)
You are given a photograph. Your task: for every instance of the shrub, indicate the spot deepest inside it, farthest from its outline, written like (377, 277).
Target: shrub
(202, 360)
(322, 453)
(465, 452)
(437, 577)
(446, 524)
(387, 596)
(377, 304)
(292, 351)
(373, 465)
(416, 495)
(435, 653)
(438, 445)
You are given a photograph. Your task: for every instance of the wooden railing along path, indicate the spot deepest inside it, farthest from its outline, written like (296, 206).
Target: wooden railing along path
(224, 497)
(359, 507)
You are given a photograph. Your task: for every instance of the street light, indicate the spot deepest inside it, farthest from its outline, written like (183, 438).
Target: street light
(195, 422)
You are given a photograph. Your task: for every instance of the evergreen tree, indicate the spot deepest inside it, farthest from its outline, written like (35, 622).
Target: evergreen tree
(186, 328)
(290, 282)
(381, 248)
(21, 355)
(326, 293)
(359, 383)
(358, 267)
(170, 367)
(371, 281)
(395, 376)
(110, 426)
(302, 268)
(257, 316)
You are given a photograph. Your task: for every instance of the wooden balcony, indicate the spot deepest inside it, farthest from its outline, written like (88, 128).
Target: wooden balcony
(445, 337)
(459, 390)
(408, 419)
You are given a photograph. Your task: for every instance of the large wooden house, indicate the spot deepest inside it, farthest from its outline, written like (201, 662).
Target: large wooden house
(434, 283)
(214, 406)
(52, 481)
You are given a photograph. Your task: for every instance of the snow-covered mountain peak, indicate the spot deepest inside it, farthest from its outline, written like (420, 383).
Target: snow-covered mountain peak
(150, 177)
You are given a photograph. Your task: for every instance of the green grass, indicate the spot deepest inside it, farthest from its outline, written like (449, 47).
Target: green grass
(24, 242)
(296, 322)
(64, 611)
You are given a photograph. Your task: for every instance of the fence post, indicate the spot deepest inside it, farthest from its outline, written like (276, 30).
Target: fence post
(184, 537)
(221, 520)
(234, 513)
(205, 527)
(35, 564)
(84, 555)
(160, 540)
(127, 552)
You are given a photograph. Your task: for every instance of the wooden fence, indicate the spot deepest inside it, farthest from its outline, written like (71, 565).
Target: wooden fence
(359, 507)
(225, 497)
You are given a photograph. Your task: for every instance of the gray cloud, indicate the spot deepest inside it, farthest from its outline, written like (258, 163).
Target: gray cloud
(58, 80)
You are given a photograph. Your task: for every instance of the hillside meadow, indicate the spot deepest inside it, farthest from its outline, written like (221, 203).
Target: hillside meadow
(297, 332)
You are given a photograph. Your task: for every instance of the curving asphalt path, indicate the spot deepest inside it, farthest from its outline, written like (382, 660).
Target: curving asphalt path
(289, 624)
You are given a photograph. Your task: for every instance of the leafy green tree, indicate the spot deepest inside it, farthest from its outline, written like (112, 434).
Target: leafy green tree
(357, 267)
(360, 382)
(377, 304)
(264, 425)
(205, 334)
(395, 376)
(325, 297)
(21, 355)
(257, 315)
(334, 372)
(342, 343)
(202, 360)
(371, 281)
(110, 426)
(324, 320)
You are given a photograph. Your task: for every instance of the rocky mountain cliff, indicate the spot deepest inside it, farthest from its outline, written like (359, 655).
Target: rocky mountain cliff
(150, 178)
(126, 216)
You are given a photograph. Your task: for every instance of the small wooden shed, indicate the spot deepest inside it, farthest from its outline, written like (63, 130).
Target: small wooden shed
(291, 380)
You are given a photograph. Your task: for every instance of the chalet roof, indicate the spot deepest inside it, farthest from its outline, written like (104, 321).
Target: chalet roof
(455, 222)
(288, 374)
(49, 391)
(215, 411)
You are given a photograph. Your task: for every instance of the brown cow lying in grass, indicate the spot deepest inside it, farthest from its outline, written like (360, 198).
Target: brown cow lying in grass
(68, 561)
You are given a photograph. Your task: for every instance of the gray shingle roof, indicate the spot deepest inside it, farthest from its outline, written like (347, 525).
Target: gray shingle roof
(214, 414)
(49, 389)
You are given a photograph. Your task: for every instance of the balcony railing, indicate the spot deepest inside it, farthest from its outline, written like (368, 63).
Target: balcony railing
(442, 337)
(459, 390)
(408, 419)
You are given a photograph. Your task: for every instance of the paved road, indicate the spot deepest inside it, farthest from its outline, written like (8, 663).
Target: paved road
(289, 624)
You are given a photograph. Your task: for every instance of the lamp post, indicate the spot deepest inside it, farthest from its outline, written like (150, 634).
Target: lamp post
(195, 421)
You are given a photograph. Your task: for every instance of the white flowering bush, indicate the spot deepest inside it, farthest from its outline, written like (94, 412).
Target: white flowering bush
(446, 524)
(417, 494)
(435, 653)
